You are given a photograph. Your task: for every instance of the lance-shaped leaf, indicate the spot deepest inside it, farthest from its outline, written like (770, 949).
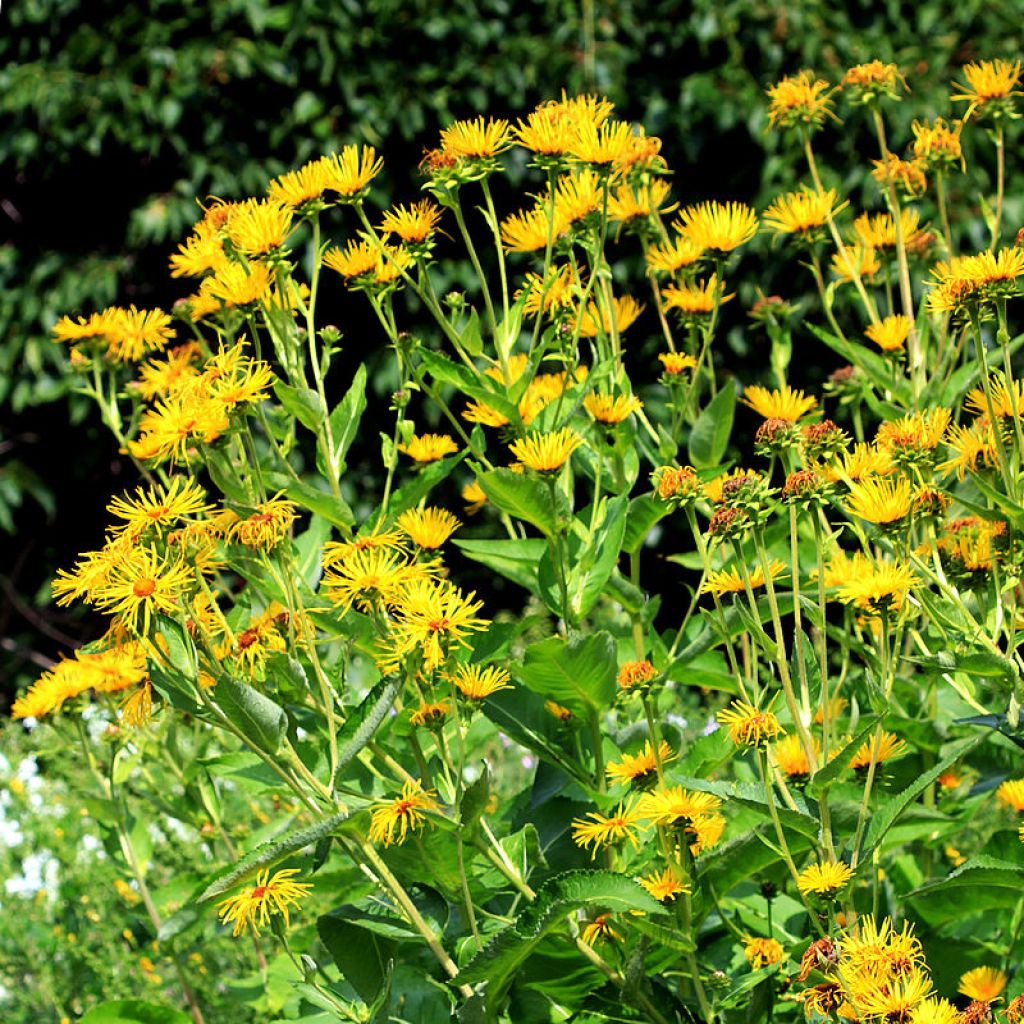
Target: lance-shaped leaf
(578, 673)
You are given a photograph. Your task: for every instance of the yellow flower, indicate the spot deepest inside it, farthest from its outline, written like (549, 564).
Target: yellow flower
(160, 506)
(891, 333)
(141, 585)
(730, 581)
(595, 319)
(428, 527)
(908, 174)
(557, 711)
(476, 139)
(368, 575)
(674, 805)
(748, 725)
(478, 683)
(881, 500)
(267, 526)
(859, 261)
(695, 300)
(302, 186)
(413, 223)
(601, 831)
(356, 259)
(474, 497)
(600, 930)
(975, 448)
(555, 293)
(529, 230)
(1005, 401)
(803, 212)
(1011, 793)
(545, 132)
(670, 257)
(350, 172)
(429, 447)
(577, 196)
(602, 144)
(886, 747)
(546, 453)
(990, 89)
(676, 363)
(636, 673)
(200, 253)
(937, 144)
(878, 231)
(393, 820)
(137, 708)
(873, 80)
(791, 757)
(609, 409)
(983, 984)
(255, 905)
(664, 885)
(896, 1000)
(781, 404)
(762, 952)
(168, 376)
(628, 203)
(638, 769)
(259, 228)
(799, 100)
(881, 586)
(863, 460)
(935, 1011)
(61, 683)
(433, 617)
(916, 433)
(824, 879)
(718, 227)
(430, 714)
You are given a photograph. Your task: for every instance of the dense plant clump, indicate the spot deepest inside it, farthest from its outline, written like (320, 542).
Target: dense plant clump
(765, 790)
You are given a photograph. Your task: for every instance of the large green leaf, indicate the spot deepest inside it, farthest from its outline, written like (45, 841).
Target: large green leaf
(364, 958)
(134, 1011)
(578, 673)
(828, 775)
(268, 854)
(644, 512)
(497, 963)
(345, 420)
(522, 497)
(516, 560)
(259, 718)
(709, 438)
(302, 403)
(593, 566)
(982, 884)
(363, 722)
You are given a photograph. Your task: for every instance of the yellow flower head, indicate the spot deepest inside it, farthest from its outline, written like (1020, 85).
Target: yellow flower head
(936, 143)
(681, 253)
(856, 261)
(884, 501)
(429, 447)
(676, 363)
(880, 586)
(430, 713)
(762, 952)
(991, 88)
(160, 505)
(200, 253)
(636, 673)
(255, 905)
(141, 585)
(611, 409)
(674, 805)
(137, 708)
(791, 757)
(414, 223)
(640, 769)
(799, 101)
(878, 231)
(602, 145)
(530, 230)
(300, 187)
(232, 285)
(894, 1001)
(909, 175)
(983, 984)
(803, 213)
(478, 683)
(350, 172)
(696, 301)
(267, 526)
(718, 227)
(781, 404)
(474, 497)
(546, 453)
(259, 228)
(601, 831)
(730, 581)
(596, 319)
(428, 527)
(477, 139)
(870, 82)
(629, 203)
(891, 333)
(393, 820)
(824, 879)
(664, 885)
(749, 726)
(1011, 793)
(577, 196)
(886, 747)
(367, 576)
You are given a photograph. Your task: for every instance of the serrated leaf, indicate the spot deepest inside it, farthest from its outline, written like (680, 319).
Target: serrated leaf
(268, 854)
(363, 722)
(256, 715)
(825, 777)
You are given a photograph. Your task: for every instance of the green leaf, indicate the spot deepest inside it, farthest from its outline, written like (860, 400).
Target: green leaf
(302, 403)
(471, 339)
(987, 664)
(644, 512)
(516, 560)
(321, 503)
(822, 780)
(981, 885)
(268, 854)
(345, 420)
(257, 716)
(876, 367)
(885, 815)
(362, 723)
(364, 958)
(593, 566)
(709, 438)
(134, 1011)
(497, 963)
(522, 497)
(578, 673)
(410, 494)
